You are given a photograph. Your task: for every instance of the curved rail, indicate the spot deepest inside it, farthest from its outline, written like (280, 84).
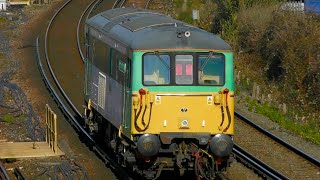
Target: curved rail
(19, 174)
(73, 120)
(84, 12)
(48, 61)
(121, 5)
(79, 22)
(279, 140)
(147, 5)
(55, 94)
(3, 172)
(78, 26)
(256, 164)
(118, 3)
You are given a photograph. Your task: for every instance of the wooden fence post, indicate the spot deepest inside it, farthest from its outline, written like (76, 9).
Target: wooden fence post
(254, 90)
(258, 93)
(284, 108)
(238, 78)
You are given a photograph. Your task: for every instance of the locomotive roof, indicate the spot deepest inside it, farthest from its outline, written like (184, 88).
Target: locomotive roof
(142, 29)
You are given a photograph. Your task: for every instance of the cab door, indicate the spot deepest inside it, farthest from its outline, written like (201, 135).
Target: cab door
(125, 68)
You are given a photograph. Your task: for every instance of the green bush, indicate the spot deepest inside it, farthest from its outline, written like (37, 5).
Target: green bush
(283, 47)
(293, 46)
(178, 3)
(8, 118)
(186, 17)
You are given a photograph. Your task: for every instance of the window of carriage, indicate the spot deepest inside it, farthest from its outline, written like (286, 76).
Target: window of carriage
(99, 55)
(211, 69)
(156, 69)
(184, 69)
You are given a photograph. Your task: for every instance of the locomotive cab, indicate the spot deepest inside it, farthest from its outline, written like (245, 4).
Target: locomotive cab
(183, 104)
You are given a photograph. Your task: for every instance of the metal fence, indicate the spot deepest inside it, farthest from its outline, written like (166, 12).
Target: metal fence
(51, 127)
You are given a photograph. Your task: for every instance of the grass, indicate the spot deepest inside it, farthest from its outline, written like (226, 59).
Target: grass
(8, 118)
(2, 55)
(178, 3)
(308, 131)
(3, 22)
(186, 17)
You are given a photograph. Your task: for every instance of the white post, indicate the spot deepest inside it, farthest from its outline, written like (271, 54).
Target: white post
(3, 5)
(254, 90)
(284, 108)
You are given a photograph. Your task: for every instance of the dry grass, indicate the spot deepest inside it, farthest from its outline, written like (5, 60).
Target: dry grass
(280, 50)
(283, 47)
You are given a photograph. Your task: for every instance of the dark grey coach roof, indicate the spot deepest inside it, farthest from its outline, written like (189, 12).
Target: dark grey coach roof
(142, 29)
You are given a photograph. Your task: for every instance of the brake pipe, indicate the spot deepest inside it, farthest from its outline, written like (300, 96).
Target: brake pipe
(144, 101)
(226, 91)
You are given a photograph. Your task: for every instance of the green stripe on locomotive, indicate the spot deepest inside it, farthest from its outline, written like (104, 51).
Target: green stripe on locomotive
(137, 77)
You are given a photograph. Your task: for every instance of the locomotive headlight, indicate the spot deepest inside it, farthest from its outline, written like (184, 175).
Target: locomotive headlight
(221, 145)
(148, 145)
(187, 34)
(184, 123)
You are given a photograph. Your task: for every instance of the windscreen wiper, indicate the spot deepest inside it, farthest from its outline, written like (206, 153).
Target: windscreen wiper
(206, 61)
(162, 60)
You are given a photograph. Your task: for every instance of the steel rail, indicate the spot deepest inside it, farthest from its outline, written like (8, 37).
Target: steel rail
(116, 3)
(19, 174)
(79, 23)
(107, 159)
(256, 164)
(93, 8)
(147, 4)
(55, 94)
(279, 140)
(84, 12)
(121, 5)
(48, 60)
(3, 172)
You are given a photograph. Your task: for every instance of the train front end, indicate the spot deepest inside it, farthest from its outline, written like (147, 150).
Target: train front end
(183, 109)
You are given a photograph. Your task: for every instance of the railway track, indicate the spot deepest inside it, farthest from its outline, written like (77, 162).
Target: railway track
(80, 26)
(3, 172)
(277, 153)
(57, 90)
(73, 113)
